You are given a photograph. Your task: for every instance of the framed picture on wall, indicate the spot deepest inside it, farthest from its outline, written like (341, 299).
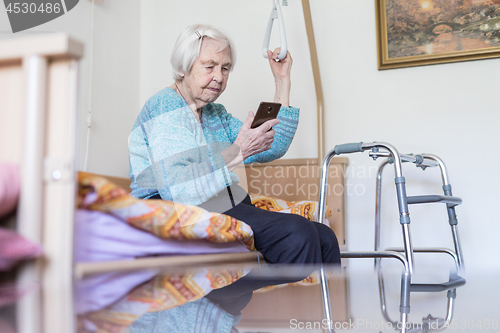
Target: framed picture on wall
(424, 32)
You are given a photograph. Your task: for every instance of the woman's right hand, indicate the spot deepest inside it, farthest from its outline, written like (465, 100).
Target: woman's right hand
(255, 140)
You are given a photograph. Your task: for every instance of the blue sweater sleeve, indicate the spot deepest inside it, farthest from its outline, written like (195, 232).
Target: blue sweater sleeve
(285, 131)
(170, 155)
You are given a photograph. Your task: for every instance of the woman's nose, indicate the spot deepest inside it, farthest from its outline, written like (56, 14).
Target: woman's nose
(217, 75)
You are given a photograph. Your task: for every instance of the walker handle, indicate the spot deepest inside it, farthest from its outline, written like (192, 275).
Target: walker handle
(275, 14)
(348, 148)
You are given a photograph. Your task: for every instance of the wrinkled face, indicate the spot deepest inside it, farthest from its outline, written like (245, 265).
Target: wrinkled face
(208, 76)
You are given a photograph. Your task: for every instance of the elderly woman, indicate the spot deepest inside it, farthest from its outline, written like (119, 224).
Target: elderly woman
(183, 148)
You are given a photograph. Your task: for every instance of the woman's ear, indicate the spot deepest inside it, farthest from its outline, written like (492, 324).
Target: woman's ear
(181, 74)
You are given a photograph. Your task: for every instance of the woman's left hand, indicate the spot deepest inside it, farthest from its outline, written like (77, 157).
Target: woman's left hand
(281, 68)
(281, 71)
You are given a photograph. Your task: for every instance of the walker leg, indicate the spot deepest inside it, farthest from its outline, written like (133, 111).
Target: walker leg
(325, 293)
(458, 247)
(321, 219)
(378, 208)
(404, 304)
(404, 307)
(404, 219)
(452, 217)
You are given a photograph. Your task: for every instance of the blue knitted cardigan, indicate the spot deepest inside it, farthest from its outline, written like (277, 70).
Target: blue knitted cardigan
(173, 155)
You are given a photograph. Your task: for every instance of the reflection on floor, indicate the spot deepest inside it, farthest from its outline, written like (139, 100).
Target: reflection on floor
(294, 308)
(475, 309)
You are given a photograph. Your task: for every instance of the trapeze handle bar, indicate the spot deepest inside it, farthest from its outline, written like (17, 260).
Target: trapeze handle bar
(275, 14)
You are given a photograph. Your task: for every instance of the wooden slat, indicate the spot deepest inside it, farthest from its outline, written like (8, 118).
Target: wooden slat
(176, 261)
(59, 194)
(50, 45)
(12, 112)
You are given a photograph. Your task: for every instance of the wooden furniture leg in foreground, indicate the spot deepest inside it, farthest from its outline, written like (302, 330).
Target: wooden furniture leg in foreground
(38, 94)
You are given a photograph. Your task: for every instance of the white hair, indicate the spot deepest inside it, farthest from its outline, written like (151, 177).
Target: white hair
(187, 47)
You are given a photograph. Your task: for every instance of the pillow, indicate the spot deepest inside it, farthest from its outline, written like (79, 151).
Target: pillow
(6, 327)
(307, 209)
(14, 248)
(9, 187)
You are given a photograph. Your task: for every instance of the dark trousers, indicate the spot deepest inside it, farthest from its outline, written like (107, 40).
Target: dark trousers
(281, 238)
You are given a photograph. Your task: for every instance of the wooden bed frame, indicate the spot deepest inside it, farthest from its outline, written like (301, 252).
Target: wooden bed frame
(38, 104)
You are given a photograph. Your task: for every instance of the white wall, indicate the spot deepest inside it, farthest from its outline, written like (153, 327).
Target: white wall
(114, 97)
(115, 85)
(251, 82)
(450, 110)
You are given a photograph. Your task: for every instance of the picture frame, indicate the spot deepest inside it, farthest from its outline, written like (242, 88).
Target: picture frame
(425, 32)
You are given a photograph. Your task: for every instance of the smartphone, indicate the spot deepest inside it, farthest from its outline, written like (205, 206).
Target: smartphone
(265, 112)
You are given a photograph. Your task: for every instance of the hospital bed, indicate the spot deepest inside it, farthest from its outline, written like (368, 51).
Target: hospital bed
(38, 105)
(283, 177)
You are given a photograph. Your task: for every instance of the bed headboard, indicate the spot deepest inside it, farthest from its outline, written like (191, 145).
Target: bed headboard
(298, 179)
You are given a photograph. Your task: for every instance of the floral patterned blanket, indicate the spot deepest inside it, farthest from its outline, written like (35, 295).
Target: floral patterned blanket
(164, 219)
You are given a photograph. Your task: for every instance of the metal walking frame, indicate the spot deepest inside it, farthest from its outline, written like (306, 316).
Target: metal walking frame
(382, 149)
